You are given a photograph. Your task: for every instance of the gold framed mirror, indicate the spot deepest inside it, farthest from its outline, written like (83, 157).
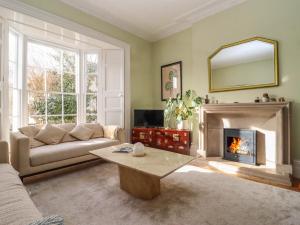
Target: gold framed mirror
(246, 64)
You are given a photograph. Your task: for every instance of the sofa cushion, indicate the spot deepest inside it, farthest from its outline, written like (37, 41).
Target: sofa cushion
(30, 132)
(82, 133)
(15, 205)
(97, 129)
(53, 153)
(68, 127)
(50, 135)
(111, 132)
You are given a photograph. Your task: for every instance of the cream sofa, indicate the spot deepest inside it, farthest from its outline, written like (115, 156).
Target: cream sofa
(16, 207)
(30, 161)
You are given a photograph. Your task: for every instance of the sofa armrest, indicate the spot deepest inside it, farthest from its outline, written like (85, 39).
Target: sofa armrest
(115, 133)
(4, 152)
(19, 147)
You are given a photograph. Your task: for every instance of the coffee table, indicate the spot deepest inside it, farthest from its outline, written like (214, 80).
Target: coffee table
(140, 176)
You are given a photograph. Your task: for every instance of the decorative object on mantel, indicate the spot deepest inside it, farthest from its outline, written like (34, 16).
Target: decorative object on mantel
(182, 109)
(257, 100)
(206, 100)
(273, 99)
(265, 97)
(171, 80)
(281, 99)
(138, 150)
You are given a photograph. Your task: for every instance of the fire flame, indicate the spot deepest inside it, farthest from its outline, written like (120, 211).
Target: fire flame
(235, 145)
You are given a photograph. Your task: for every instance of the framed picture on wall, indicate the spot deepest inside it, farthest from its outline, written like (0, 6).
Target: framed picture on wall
(171, 80)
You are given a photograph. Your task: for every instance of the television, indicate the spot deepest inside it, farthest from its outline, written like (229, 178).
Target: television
(148, 118)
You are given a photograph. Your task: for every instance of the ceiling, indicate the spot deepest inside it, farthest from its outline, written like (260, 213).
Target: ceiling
(152, 19)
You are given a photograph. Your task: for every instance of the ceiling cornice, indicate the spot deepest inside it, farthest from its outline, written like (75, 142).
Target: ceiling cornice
(178, 24)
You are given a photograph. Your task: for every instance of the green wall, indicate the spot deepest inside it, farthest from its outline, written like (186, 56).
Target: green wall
(274, 19)
(140, 49)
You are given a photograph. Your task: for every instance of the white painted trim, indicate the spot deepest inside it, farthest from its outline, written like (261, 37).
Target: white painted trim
(21, 7)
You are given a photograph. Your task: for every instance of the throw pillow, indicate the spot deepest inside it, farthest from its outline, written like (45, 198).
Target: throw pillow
(82, 133)
(97, 128)
(111, 132)
(68, 127)
(49, 220)
(50, 135)
(30, 132)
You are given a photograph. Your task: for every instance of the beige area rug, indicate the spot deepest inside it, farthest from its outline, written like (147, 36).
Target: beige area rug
(191, 195)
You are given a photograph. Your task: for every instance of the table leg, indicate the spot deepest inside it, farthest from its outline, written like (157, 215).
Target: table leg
(139, 184)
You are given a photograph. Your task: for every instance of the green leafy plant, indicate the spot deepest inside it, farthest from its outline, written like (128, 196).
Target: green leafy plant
(182, 108)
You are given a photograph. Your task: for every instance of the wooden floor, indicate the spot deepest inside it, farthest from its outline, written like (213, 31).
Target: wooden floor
(294, 187)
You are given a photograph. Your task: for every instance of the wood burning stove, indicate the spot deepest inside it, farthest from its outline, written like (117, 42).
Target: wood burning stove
(240, 145)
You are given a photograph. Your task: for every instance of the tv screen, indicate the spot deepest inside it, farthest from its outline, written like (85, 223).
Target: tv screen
(148, 118)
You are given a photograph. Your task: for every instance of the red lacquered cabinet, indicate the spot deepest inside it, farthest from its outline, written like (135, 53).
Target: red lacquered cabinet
(168, 139)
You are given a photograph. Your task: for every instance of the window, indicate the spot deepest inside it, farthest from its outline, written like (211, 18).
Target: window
(52, 75)
(15, 82)
(91, 89)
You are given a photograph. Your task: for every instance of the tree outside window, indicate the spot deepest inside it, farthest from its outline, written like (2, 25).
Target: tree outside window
(51, 84)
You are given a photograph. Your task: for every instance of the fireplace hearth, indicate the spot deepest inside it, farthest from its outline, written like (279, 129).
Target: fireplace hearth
(240, 145)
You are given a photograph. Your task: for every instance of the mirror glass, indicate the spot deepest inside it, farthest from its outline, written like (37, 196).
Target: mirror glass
(246, 64)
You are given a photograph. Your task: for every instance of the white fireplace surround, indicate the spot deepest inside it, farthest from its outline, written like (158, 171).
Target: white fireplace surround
(270, 120)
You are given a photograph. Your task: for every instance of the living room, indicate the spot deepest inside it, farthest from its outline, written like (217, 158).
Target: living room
(149, 112)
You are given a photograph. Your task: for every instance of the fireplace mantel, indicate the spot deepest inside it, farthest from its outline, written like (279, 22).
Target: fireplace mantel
(270, 120)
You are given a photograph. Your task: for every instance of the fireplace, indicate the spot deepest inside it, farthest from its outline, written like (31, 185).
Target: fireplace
(240, 145)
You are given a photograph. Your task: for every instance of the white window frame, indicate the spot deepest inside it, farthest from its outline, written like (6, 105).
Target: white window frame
(18, 79)
(98, 83)
(63, 22)
(77, 74)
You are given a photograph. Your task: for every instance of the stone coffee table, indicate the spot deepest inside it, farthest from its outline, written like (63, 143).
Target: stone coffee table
(140, 176)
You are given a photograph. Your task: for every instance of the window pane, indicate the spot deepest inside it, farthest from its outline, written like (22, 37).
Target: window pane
(70, 119)
(35, 79)
(91, 63)
(70, 104)
(54, 104)
(12, 75)
(91, 104)
(69, 83)
(43, 56)
(36, 103)
(91, 118)
(69, 62)
(53, 81)
(37, 120)
(13, 47)
(54, 119)
(14, 102)
(91, 84)
(15, 123)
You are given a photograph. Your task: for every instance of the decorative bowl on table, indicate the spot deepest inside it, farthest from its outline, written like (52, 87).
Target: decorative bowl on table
(138, 150)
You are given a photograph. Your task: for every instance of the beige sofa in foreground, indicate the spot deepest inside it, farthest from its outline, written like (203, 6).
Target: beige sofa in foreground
(16, 207)
(29, 161)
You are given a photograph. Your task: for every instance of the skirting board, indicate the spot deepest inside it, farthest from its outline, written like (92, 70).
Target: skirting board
(296, 169)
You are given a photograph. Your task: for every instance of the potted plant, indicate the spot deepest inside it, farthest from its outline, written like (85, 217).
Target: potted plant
(182, 109)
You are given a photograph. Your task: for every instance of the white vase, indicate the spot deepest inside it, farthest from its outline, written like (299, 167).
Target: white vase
(183, 125)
